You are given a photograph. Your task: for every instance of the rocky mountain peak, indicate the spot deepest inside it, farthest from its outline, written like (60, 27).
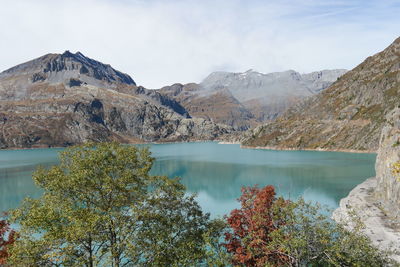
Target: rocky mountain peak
(59, 68)
(87, 66)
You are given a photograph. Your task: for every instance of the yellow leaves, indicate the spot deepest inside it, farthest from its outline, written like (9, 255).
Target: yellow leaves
(396, 170)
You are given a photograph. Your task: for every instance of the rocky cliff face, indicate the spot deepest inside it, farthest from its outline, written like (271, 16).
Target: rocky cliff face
(350, 114)
(388, 184)
(377, 200)
(59, 100)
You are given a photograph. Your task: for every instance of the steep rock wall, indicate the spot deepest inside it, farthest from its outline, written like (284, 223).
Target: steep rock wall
(388, 184)
(376, 201)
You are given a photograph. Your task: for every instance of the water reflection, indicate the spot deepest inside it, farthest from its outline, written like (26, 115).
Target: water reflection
(216, 172)
(218, 184)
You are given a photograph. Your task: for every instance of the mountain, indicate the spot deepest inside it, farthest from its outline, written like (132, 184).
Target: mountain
(267, 95)
(218, 105)
(56, 68)
(64, 99)
(349, 114)
(243, 100)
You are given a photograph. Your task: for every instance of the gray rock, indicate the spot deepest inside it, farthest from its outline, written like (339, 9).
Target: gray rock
(362, 204)
(388, 184)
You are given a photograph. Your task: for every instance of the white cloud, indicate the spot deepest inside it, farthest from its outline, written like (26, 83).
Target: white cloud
(163, 42)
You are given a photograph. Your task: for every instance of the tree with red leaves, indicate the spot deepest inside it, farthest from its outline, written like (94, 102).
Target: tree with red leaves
(252, 226)
(271, 231)
(7, 237)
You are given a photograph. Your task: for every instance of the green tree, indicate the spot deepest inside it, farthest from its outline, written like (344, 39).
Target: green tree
(100, 207)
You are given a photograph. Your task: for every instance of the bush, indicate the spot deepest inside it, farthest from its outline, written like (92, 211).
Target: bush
(271, 231)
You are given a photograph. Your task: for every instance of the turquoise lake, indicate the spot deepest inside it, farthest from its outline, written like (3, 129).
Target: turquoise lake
(216, 172)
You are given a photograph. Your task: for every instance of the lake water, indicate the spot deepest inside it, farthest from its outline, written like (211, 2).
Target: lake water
(216, 172)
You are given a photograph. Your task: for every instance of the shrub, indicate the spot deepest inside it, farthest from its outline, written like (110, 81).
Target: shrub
(271, 231)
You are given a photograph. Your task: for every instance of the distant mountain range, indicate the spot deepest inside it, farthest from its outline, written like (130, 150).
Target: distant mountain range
(243, 100)
(349, 114)
(64, 99)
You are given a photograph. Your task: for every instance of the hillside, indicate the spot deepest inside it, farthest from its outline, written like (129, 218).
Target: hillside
(218, 105)
(64, 99)
(349, 114)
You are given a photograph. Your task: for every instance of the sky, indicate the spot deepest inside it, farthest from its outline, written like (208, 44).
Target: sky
(161, 42)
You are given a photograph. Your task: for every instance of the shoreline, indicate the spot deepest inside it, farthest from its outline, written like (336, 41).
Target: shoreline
(127, 143)
(228, 143)
(218, 142)
(310, 149)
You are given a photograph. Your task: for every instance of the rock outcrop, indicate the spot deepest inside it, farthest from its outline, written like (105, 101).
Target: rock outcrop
(378, 223)
(377, 200)
(350, 114)
(65, 99)
(388, 184)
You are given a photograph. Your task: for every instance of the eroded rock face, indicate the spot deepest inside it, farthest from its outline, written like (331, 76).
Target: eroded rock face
(388, 184)
(60, 100)
(376, 202)
(350, 114)
(380, 225)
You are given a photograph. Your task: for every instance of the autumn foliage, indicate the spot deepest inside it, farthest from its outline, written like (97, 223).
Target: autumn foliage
(7, 237)
(252, 226)
(271, 231)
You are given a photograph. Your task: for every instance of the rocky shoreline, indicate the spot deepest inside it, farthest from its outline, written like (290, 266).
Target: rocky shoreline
(210, 140)
(380, 225)
(308, 149)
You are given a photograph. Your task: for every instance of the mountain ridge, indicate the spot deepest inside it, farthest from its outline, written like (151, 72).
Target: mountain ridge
(253, 97)
(43, 67)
